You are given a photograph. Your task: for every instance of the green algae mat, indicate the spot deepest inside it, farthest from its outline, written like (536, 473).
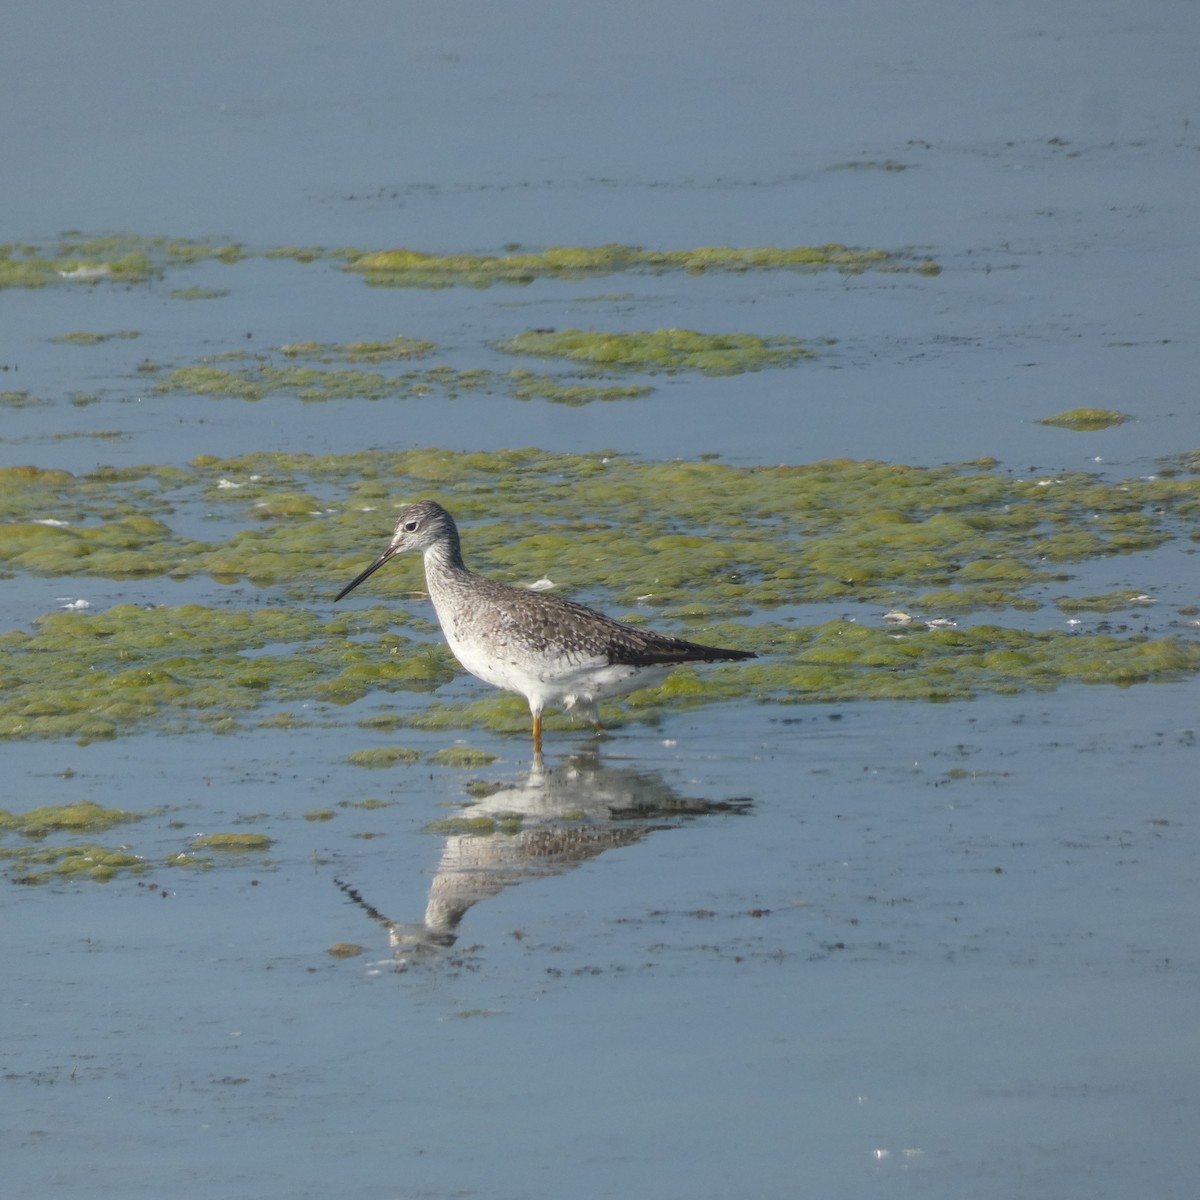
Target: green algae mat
(724, 554)
(585, 366)
(314, 372)
(38, 858)
(79, 258)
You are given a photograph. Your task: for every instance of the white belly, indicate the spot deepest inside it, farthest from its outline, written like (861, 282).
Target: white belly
(547, 679)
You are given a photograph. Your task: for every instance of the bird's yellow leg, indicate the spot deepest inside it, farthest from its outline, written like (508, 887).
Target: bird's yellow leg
(537, 733)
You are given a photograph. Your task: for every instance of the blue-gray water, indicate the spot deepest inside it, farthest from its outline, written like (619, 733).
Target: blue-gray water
(948, 951)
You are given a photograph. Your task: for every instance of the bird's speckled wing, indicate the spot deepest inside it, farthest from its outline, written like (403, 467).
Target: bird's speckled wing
(550, 625)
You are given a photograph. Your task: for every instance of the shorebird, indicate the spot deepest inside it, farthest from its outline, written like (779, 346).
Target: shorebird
(545, 648)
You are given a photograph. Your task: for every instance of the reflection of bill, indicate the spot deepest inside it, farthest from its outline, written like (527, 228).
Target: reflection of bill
(554, 818)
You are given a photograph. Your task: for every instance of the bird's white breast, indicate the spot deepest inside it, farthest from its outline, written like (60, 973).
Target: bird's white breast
(547, 678)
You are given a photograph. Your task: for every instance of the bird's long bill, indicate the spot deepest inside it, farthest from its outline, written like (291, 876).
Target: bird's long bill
(391, 550)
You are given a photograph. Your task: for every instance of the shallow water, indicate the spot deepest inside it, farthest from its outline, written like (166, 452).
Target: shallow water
(954, 948)
(866, 949)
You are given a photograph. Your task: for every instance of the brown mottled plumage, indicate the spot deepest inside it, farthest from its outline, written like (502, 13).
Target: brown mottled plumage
(543, 647)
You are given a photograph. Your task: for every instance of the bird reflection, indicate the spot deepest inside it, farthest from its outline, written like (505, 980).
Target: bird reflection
(550, 820)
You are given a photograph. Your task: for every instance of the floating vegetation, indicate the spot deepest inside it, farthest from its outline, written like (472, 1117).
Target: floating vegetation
(720, 544)
(1107, 603)
(383, 756)
(261, 379)
(46, 863)
(82, 817)
(237, 843)
(21, 400)
(191, 862)
(387, 720)
(237, 376)
(100, 864)
(391, 350)
(718, 536)
(83, 338)
(119, 259)
(134, 666)
(844, 660)
(58, 855)
(661, 350)
(1086, 420)
(53, 695)
(199, 293)
(870, 164)
(528, 386)
(77, 258)
(461, 756)
(302, 254)
(368, 805)
(413, 268)
(507, 823)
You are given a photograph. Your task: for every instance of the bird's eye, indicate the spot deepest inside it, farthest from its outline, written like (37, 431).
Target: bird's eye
(410, 526)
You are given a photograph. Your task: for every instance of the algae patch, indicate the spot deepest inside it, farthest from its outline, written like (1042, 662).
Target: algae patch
(84, 338)
(396, 349)
(719, 545)
(461, 756)
(1107, 603)
(383, 756)
(199, 293)
(64, 848)
(235, 843)
(667, 350)
(21, 399)
(100, 864)
(508, 824)
(870, 164)
(82, 817)
(799, 664)
(315, 372)
(77, 258)
(88, 860)
(1086, 420)
(310, 384)
(844, 661)
(413, 268)
(130, 666)
(526, 385)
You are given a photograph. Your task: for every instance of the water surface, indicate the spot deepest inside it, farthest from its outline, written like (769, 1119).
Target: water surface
(889, 949)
